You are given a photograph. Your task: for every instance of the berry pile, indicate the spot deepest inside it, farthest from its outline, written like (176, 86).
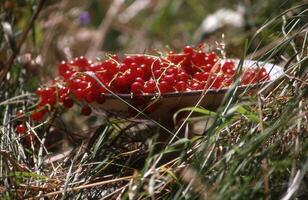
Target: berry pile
(190, 70)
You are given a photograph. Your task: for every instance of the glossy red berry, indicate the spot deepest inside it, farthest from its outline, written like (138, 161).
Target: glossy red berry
(149, 87)
(188, 50)
(68, 102)
(201, 76)
(86, 110)
(181, 86)
(182, 76)
(29, 138)
(195, 86)
(37, 115)
(228, 68)
(199, 58)
(157, 73)
(115, 57)
(82, 63)
(21, 128)
(19, 113)
(89, 94)
(121, 80)
(164, 87)
(217, 81)
(136, 87)
(140, 80)
(249, 77)
(100, 99)
(169, 79)
(262, 74)
(63, 67)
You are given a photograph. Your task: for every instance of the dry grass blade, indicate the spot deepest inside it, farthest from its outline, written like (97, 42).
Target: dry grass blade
(127, 178)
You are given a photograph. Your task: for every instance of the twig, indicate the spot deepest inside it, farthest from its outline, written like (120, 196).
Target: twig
(22, 40)
(85, 186)
(114, 192)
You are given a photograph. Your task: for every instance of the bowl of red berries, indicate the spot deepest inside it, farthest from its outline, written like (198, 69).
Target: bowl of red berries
(150, 85)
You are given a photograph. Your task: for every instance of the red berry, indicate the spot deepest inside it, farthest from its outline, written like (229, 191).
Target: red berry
(181, 86)
(21, 128)
(37, 115)
(129, 77)
(227, 81)
(30, 138)
(140, 80)
(90, 96)
(100, 99)
(82, 63)
(149, 87)
(188, 50)
(230, 72)
(207, 67)
(46, 92)
(262, 74)
(212, 58)
(169, 79)
(199, 58)
(19, 113)
(139, 59)
(249, 77)
(79, 93)
(217, 81)
(110, 66)
(39, 91)
(177, 58)
(182, 76)
(201, 76)
(196, 86)
(68, 102)
(136, 87)
(228, 68)
(157, 73)
(68, 74)
(146, 69)
(121, 80)
(123, 67)
(133, 67)
(63, 68)
(86, 110)
(171, 71)
(128, 60)
(115, 57)
(63, 91)
(163, 87)
(138, 72)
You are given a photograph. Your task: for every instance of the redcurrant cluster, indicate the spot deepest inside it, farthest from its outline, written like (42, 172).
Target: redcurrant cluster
(189, 70)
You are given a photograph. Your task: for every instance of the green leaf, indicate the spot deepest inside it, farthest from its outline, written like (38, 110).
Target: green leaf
(250, 115)
(198, 110)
